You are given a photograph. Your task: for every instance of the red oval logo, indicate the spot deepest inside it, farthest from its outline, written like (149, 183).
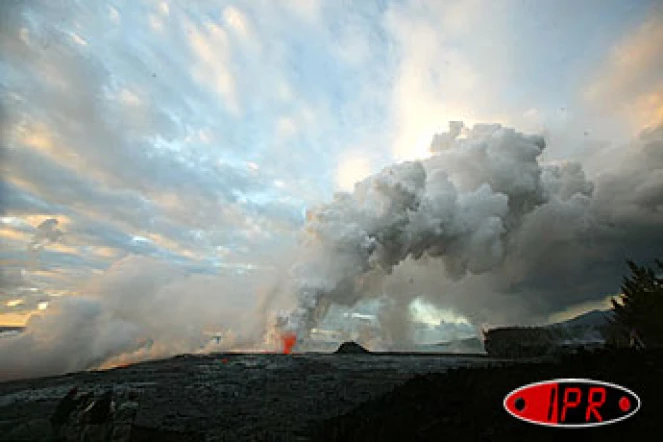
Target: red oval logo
(572, 403)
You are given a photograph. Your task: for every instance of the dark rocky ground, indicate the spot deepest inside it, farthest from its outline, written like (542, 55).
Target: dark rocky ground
(466, 404)
(333, 397)
(221, 397)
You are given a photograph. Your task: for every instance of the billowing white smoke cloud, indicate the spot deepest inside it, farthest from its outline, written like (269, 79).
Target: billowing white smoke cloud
(139, 309)
(481, 227)
(486, 209)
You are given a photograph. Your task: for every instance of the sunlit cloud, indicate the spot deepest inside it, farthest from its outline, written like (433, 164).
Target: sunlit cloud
(113, 15)
(11, 235)
(14, 302)
(14, 319)
(164, 9)
(427, 313)
(285, 128)
(38, 137)
(234, 17)
(351, 170)
(198, 137)
(630, 80)
(78, 39)
(436, 82)
(129, 98)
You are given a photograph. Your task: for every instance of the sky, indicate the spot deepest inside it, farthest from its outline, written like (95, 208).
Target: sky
(200, 134)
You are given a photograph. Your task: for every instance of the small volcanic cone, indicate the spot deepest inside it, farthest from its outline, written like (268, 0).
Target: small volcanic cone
(351, 347)
(289, 340)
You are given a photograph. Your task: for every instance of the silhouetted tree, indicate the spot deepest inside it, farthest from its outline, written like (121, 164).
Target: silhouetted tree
(638, 310)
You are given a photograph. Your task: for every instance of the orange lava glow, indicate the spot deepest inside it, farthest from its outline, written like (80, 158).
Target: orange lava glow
(289, 340)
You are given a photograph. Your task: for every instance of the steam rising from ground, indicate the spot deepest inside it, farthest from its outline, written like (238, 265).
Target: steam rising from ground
(481, 227)
(139, 309)
(481, 218)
